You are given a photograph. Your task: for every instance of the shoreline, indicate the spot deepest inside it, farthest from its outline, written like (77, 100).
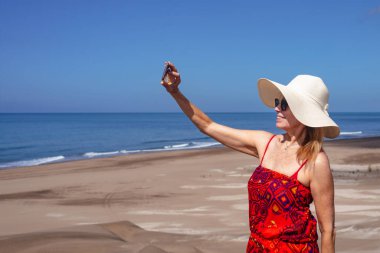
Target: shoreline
(364, 142)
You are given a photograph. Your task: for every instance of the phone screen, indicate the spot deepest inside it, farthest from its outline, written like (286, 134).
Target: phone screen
(167, 69)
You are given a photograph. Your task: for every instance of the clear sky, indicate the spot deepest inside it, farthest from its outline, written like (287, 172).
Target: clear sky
(107, 56)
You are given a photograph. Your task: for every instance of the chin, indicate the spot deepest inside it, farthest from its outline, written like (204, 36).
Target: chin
(281, 126)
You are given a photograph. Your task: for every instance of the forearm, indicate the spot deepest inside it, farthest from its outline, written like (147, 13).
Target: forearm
(328, 242)
(200, 120)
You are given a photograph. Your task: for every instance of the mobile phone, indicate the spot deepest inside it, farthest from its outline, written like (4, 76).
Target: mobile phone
(167, 70)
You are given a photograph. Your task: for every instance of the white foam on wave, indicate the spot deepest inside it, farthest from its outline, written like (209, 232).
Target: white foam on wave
(118, 152)
(183, 146)
(188, 145)
(94, 154)
(33, 162)
(351, 133)
(177, 146)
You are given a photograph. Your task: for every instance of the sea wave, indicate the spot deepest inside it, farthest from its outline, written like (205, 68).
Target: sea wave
(177, 146)
(95, 154)
(119, 152)
(181, 146)
(176, 140)
(191, 145)
(351, 133)
(32, 162)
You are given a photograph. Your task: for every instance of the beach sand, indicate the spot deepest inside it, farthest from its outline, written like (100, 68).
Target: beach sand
(178, 201)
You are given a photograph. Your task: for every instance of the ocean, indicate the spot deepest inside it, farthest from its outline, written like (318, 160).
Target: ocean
(37, 138)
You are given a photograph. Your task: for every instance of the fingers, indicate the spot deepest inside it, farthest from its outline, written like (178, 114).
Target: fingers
(174, 71)
(174, 76)
(172, 66)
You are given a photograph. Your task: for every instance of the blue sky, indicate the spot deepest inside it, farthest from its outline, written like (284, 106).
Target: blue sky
(107, 56)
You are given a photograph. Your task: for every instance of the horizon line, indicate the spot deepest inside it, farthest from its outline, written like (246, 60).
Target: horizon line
(169, 112)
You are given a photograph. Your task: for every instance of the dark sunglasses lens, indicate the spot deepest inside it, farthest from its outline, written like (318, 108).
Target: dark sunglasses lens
(284, 105)
(276, 102)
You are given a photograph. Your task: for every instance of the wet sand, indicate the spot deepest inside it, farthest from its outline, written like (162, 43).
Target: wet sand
(178, 201)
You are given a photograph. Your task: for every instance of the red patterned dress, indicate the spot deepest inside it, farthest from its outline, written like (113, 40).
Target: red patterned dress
(279, 215)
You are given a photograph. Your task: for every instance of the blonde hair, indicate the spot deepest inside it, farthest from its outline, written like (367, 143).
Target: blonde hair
(311, 145)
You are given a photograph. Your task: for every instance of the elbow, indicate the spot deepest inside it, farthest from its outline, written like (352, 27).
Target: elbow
(205, 127)
(328, 231)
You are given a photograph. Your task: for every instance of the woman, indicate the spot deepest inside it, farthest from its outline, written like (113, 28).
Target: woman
(295, 170)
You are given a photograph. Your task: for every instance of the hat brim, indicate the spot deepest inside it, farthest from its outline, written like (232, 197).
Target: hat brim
(305, 110)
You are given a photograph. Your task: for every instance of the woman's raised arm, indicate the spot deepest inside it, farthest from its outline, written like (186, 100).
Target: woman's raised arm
(245, 141)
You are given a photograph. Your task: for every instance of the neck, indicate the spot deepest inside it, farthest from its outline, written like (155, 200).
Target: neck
(295, 135)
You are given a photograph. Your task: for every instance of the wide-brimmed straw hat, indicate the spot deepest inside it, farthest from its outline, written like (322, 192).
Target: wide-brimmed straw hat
(307, 97)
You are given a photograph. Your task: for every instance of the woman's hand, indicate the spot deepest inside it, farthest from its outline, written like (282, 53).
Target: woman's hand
(172, 82)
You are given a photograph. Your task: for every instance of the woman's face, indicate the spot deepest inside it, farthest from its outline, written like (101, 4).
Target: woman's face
(285, 120)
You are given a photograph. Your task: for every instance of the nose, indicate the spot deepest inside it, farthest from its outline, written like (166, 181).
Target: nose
(277, 109)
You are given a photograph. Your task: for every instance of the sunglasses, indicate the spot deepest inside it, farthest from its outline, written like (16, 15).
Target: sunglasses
(284, 104)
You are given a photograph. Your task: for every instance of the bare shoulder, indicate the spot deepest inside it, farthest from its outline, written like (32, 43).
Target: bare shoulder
(262, 140)
(261, 136)
(322, 164)
(321, 174)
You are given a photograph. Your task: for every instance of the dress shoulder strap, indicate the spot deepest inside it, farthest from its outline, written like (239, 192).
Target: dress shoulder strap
(266, 148)
(296, 173)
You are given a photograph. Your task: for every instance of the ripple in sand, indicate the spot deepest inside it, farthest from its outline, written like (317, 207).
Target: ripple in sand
(240, 207)
(184, 231)
(228, 197)
(354, 208)
(224, 238)
(87, 223)
(237, 224)
(55, 215)
(224, 186)
(358, 194)
(360, 233)
(217, 170)
(150, 225)
(372, 213)
(239, 175)
(198, 211)
(176, 228)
